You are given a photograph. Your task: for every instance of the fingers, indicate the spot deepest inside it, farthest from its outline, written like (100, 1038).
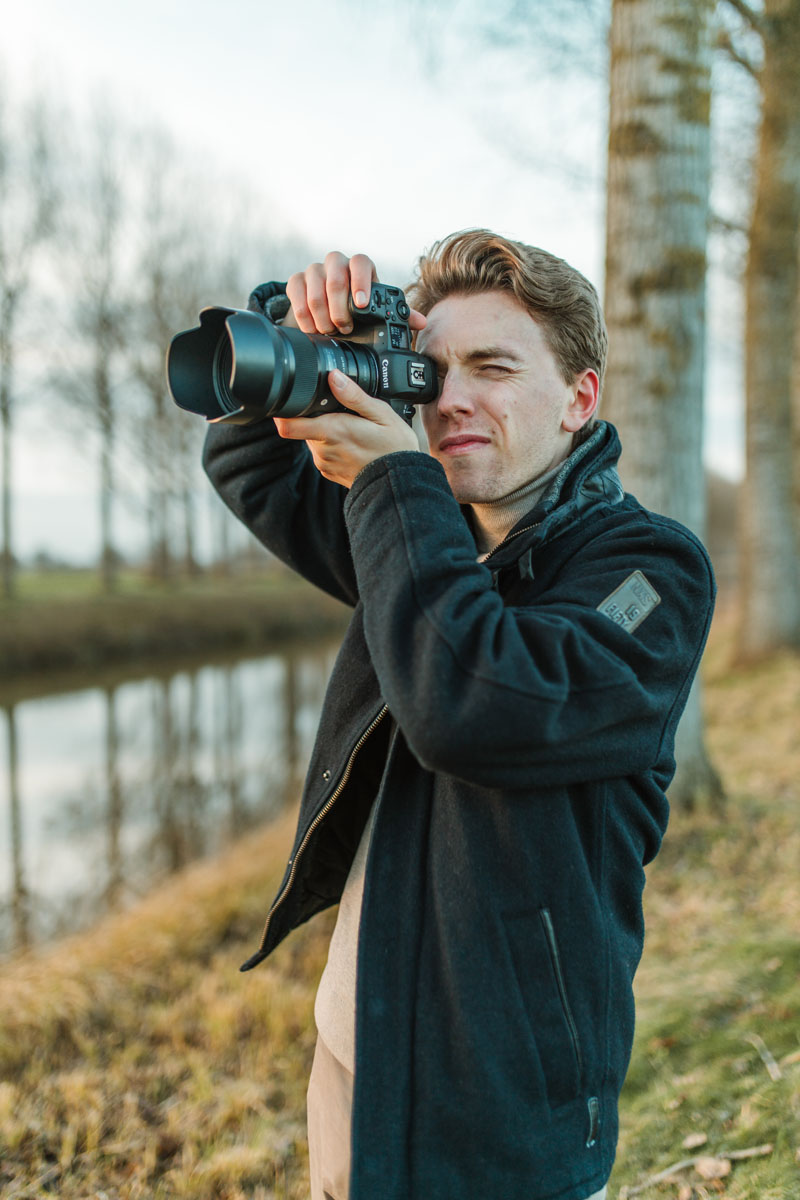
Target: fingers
(356, 399)
(320, 295)
(362, 275)
(337, 290)
(343, 443)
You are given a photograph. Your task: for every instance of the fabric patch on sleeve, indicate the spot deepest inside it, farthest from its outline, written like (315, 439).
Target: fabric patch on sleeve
(631, 602)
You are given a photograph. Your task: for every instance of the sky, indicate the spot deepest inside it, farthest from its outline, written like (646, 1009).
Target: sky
(363, 125)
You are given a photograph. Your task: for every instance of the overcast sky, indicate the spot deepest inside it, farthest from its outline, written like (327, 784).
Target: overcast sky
(359, 133)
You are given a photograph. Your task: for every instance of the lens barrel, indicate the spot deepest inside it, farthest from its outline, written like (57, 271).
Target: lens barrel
(239, 367)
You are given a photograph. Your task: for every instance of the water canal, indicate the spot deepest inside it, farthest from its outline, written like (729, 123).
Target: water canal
(110, 787)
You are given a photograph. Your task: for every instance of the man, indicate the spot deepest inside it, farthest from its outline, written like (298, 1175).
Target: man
(489, 775)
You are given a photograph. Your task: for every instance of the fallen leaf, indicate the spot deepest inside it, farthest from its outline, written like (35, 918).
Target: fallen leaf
(713, 1168)
(693, 1140)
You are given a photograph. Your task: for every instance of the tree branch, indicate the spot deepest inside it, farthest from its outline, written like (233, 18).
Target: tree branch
(686, 1163)
(725, 43)
(773, 1070)
(753, 18)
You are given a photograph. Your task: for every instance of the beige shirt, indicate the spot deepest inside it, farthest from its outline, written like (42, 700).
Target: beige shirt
(335, 1005)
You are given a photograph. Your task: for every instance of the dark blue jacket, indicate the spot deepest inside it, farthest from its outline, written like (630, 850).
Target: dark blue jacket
(516, 725)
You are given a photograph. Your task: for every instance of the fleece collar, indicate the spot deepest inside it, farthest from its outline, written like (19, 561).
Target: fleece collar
(587, 479)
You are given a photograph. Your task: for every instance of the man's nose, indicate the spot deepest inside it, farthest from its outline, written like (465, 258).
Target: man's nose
(454, 396)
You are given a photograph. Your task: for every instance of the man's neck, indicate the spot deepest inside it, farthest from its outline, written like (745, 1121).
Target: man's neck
(493, 520)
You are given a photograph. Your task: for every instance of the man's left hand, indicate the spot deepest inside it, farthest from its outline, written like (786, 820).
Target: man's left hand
(342, 444)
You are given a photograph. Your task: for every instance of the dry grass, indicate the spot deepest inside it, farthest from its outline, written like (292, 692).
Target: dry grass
(718, 1043)
(138, 1062)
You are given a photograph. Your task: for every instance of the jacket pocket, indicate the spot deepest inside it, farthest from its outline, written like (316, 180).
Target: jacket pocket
(539, 971)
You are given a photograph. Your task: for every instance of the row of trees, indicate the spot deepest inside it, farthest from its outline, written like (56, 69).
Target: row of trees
(659, 188)
(670, 62)
(110, 242)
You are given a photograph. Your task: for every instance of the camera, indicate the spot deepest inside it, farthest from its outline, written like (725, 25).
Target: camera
(239, 367)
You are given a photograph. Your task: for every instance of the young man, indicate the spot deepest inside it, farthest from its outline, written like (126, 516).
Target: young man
(489, 776)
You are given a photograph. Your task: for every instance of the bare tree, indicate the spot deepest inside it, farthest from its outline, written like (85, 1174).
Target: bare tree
(770, 537)
(27, 210)
(656, 236)
(168, 286)
(188, 256)
(98, 285)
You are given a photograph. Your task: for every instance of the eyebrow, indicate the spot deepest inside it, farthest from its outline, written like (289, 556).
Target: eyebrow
(482, 353)
(492, 352)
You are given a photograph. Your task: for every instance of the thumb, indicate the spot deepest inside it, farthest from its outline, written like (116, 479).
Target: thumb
(353, 397)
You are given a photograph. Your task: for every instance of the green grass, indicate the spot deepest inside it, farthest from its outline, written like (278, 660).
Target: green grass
(61, 621)
(138, 1062)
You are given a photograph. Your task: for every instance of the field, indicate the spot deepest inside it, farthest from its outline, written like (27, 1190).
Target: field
(138, 1062)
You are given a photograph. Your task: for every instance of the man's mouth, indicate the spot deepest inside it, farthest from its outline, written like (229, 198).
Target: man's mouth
(461, 443)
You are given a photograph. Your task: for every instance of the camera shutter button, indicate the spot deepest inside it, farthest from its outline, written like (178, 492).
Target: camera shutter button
(403, 311)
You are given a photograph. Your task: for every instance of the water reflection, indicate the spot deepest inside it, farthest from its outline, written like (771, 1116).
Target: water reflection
(111, 788)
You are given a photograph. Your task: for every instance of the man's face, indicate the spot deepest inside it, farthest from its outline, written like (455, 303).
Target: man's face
(504, 413)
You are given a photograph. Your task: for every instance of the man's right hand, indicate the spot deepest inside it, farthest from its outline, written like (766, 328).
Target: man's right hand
(320, 295)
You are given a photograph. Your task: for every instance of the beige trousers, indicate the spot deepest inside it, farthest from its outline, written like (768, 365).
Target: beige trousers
(330, 1100)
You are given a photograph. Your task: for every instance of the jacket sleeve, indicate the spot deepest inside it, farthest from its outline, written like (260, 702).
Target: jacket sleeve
(555, 691)
(273, 487)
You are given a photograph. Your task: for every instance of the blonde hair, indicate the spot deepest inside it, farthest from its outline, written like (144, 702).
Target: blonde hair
(562, 301)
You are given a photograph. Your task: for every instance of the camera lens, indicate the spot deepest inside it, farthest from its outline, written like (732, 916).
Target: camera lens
(222, 369)
(238, 366)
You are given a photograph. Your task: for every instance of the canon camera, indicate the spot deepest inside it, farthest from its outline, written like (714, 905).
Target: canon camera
(238, 366)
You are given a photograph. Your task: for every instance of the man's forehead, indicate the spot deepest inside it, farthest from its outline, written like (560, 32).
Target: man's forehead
(480, 324)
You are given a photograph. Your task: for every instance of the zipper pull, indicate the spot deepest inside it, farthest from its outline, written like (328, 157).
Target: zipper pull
(526, 565)
(593, 1105)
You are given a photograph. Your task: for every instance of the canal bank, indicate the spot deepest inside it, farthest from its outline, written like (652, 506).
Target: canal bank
(61, 623)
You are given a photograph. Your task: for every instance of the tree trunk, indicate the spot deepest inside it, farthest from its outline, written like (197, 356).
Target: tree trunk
(108, 558)
(161, 468)
(7, 561)
(657, 226)
(770, 579)
(7, 549)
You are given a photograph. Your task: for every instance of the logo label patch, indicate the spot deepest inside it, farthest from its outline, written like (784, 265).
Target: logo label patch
(631, 602)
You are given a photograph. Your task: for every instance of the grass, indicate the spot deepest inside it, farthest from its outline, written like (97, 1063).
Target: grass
(60, 620)
(138, 1062)
(717, 1050)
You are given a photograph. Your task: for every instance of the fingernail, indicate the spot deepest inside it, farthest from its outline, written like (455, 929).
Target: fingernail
(338, 378)
(361, 299)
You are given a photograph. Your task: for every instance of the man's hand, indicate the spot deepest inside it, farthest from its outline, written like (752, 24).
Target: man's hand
(320, 295)
(342, 444)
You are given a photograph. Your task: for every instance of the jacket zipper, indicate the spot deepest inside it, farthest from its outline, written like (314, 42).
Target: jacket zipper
(323, 812)
(550, 934)
(510, 537)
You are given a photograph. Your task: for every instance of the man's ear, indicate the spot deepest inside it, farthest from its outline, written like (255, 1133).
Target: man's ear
(582, 406)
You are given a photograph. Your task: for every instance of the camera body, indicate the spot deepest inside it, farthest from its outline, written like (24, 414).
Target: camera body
(238, 367)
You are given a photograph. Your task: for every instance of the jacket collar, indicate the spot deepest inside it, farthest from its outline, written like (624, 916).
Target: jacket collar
(587, 479)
